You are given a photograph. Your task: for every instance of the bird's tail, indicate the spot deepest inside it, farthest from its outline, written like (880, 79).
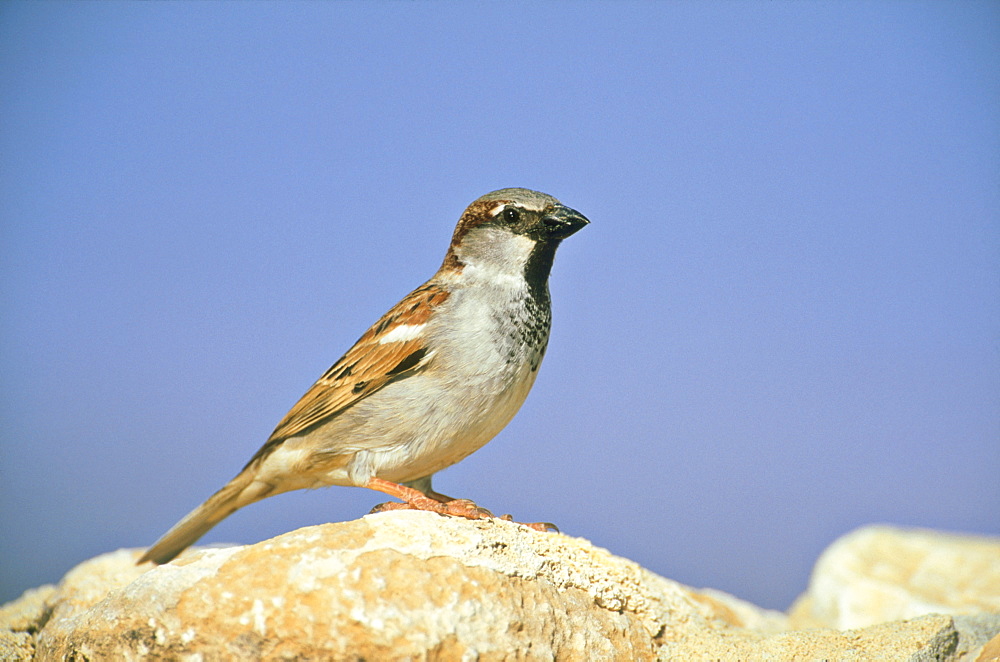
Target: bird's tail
(237, 493)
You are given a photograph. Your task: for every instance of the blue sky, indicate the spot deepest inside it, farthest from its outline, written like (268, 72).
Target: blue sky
(782, 323)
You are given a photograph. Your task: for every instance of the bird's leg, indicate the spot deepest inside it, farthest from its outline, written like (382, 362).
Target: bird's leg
(426, 486)
(439, 503)
(417, 500)
(437, 496)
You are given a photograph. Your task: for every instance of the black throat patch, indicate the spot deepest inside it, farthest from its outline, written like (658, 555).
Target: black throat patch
(537, 269)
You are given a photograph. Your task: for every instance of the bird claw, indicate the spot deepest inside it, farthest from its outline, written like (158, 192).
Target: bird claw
(456, 508)
(390, 505)
(544, 527)
(465, 508)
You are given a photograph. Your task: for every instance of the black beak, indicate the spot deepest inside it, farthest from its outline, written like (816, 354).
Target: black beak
(562, 221)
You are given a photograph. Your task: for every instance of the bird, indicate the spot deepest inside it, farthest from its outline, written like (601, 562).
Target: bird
(433, 380)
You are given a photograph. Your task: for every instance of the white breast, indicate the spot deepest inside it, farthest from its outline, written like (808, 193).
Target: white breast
(488, 338)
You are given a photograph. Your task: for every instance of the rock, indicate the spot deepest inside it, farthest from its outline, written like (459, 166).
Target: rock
(412, 585)
(991, 651)
(20, 621)
(398, 585)
(879, 574)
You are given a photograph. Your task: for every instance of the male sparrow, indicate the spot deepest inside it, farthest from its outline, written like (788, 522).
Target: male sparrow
(430, 382)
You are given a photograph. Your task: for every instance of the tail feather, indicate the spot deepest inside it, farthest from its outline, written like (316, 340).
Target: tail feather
(197, 523)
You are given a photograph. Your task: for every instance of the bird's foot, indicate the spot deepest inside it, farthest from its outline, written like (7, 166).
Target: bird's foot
(439, 503)
(464, 508)
(456, 507)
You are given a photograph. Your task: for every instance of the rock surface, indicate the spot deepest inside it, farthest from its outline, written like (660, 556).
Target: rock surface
(410, 585)
(879, 573)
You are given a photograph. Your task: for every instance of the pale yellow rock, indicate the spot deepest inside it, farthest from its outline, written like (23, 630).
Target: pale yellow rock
(879, 574)
(21, 619)
(392, 586)
(91, 581)
(929, 638)
(410, 585)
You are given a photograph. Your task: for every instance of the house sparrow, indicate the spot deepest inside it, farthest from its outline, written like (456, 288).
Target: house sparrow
(433, 380)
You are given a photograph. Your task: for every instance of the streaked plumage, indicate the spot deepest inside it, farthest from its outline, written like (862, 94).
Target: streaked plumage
(434, 379)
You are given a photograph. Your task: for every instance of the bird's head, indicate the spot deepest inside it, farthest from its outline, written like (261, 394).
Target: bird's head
(513, 231)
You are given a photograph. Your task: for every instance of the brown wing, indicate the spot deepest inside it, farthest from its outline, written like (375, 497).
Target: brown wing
(375, 360)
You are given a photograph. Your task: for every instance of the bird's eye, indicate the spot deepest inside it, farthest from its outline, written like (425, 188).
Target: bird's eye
(511, 215)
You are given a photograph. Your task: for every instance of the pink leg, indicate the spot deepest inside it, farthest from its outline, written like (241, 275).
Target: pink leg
(417, 500)
(438, 503)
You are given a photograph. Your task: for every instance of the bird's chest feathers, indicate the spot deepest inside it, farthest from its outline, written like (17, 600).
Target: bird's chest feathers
(497, 334)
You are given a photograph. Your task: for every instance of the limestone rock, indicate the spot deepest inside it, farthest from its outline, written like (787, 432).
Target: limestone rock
(397, 585)
(20, 621)
(879, 574)
(410, 585)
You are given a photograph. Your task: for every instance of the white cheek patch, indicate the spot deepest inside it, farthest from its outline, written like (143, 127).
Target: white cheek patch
(402, 333)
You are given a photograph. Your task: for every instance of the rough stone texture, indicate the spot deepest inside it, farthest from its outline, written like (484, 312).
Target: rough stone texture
(392, 586)
(878, 574)
(409, 585)
(20, 621)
